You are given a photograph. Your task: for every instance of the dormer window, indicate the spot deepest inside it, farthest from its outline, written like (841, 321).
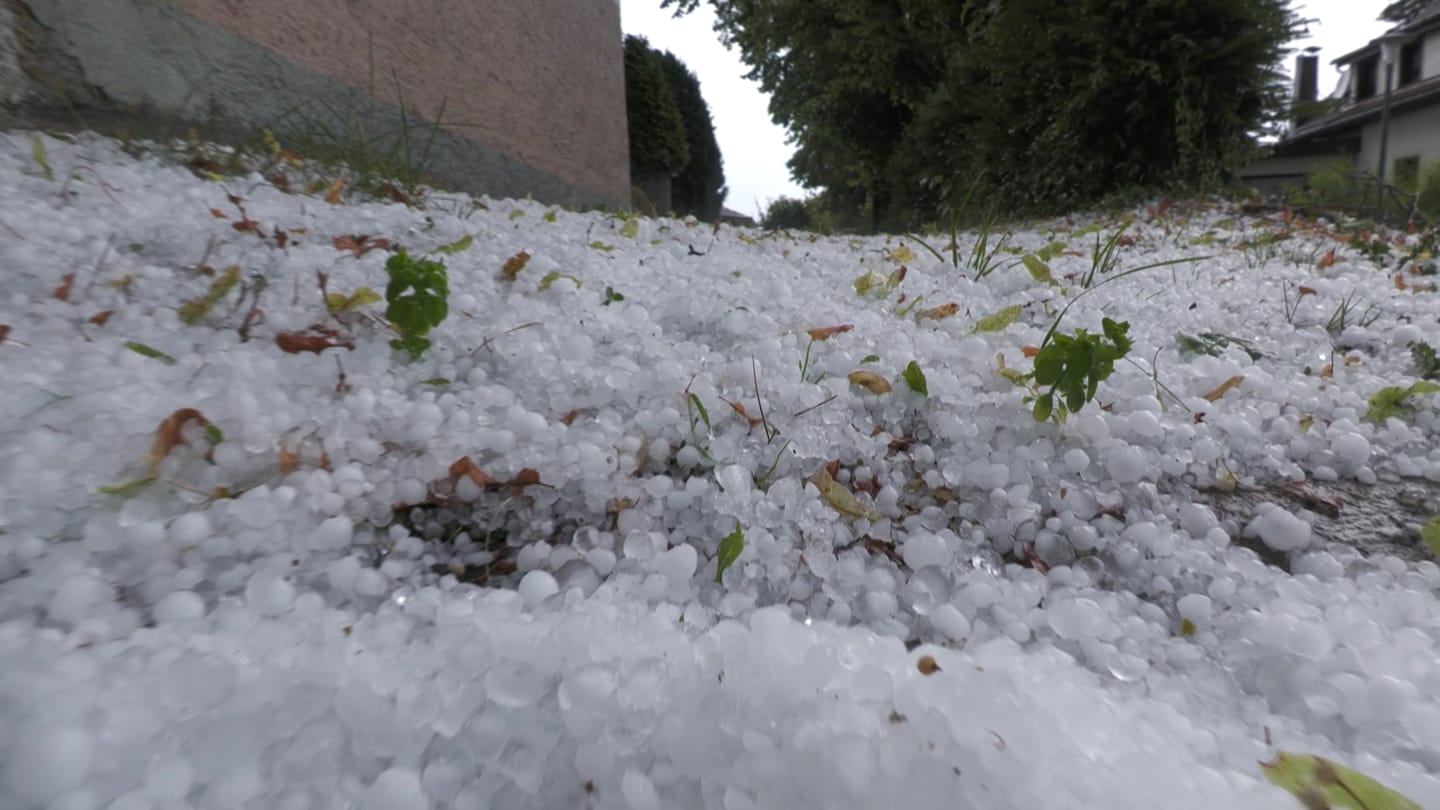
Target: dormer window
(1366, 75)
(1411, 59)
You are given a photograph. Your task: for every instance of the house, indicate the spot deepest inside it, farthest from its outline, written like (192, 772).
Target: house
(1349, 128)
(506, 98)
(730, 216)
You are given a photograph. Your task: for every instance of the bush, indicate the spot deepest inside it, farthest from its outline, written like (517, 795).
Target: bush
(788, 213)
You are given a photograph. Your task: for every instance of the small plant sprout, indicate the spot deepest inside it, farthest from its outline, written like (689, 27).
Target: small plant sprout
(1075, 365)
(1347, 314)
(417, 295)
(731, 546)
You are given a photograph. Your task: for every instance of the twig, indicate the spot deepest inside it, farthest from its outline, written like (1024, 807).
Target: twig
(816, 405)
(99, 264)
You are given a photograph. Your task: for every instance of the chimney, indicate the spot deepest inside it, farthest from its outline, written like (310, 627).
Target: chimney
(1307, 82)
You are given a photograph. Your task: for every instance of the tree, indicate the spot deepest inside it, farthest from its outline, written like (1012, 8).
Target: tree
(657, 133)
(787, 213)
(900, 105)
(699, 187)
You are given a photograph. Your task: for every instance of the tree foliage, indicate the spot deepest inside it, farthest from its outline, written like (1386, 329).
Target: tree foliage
(1403, 11)
(699, 187)
(788, 213)
(657, 133)
(897, 107)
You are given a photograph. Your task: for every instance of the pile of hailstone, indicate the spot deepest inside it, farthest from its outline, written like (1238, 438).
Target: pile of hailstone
(631, 533)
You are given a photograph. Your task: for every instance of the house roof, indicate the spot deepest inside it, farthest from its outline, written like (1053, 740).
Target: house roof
(1424, 22)
(1421, 93)
(731, 213)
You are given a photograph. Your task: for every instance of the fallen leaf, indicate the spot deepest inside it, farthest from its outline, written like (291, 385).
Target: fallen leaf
(67, 283)
(927, 665)
(360, 244)
(1224, 387)
(871, 381)
(4, 332)
(100, 318)
(218, 214)
(1319, 782)
(827, 332)
(513, 265)
(466, 466)
(840, 498)
(289, 460)
(332, 195)
(740, 409)
(1304, 291)
(937, 313)
(1327, 260)
(996, 322)
(569, 418)
(169, 434)
(525, 478)
(1029, 351)
(317, 339)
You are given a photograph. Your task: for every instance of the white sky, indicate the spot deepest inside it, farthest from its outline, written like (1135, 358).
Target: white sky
(754, 148)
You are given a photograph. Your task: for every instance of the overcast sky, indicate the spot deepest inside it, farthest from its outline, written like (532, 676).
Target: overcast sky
(754, 148)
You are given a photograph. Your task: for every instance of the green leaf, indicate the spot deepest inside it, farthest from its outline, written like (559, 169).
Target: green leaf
(1187, 627)
(612, 296)
(1430, 534)
(152, 353)
(1039, 270)
(214, 434)
(1427, 365)
(37, 150)
(1319, 782)
(731, 545)
(1390, 402)
(458, 245)
(915, 379)
(549, 216)
(516, 214)
(871, 358)
(193, 311)
(435, 381)
(1044, 406)
(998, 321)
(700, 406)
(339, 302)
(598, 245)
(554, 276)
(1050, 251)
(630, 229)
(127, 489)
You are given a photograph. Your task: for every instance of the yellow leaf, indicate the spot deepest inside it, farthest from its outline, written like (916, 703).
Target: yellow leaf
(1319, 782)
(630, 229)
(1430, 533)
(871, 381)
(902, 254)
(840, 498)
(937, 313)
(1225, 387)
(332, 195)
(999, 320)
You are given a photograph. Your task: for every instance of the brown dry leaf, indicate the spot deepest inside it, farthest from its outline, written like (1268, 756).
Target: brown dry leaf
(840, 498)
(1304, 291)
(827, 332)
(289, 460)
(316, 340)
(1033, 559)
(569, 418)
(246, 226)
(67, 283)
(1328, 372)
(525, 478)
(466, 466)
(899, 444)
(641, 455)
(1224, 387)
(4, 332)
(874, 546)
(937, 313)
(168, 435)
(360, 244)
(1327, 260)
(1029, 351)
(396, 195)
(871, 381)
(927, 665)
(332, 195)
(1352, 359)
(218, 214)
(100, 318)
(740, 409)
(513, 265)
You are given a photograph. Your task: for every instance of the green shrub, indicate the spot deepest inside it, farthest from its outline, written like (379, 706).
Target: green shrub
(787, 212)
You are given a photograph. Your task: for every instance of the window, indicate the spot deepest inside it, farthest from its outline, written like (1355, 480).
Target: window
(1406, 172)
(1365, 85)
(1411, 58)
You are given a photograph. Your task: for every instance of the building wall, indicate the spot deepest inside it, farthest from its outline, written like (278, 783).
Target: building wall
(1411, 133)
(1430, 55)
(530, 95)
